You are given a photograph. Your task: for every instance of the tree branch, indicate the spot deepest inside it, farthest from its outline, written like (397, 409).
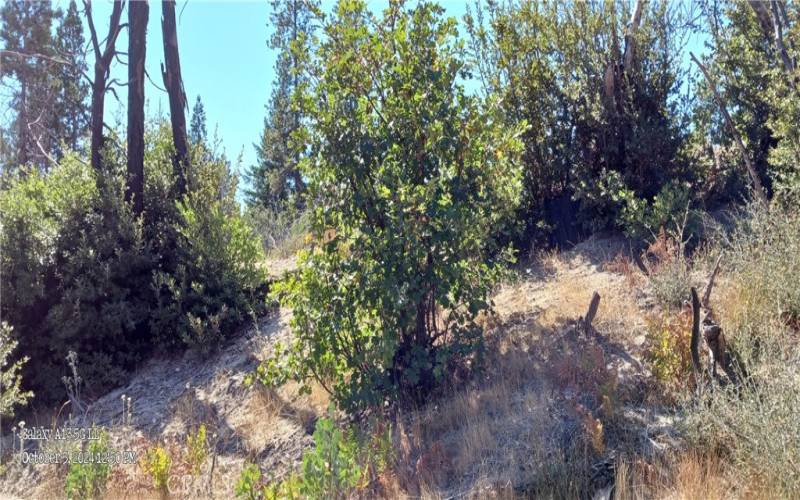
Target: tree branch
(757, 187)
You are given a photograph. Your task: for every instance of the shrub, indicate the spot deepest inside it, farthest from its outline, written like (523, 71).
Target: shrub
(87, 478)
(76, 263)
(157, 463)
(340, 462)
(409, 189)
(196, 449)
(757, 426)
(11, 394)
(667, 345)
(220, 280)
(247, 486)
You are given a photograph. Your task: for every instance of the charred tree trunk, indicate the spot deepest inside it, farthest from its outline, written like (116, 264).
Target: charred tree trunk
(138, 13)
(173, 82)
(102, 67)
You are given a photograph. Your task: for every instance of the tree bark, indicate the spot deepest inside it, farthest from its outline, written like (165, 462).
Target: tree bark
(757, 187)
(173, 82)
(102, 67)
(138, 14)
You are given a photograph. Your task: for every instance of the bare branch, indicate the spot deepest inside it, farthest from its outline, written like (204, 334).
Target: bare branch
(710, 284)
(22, 55)
(757, 187)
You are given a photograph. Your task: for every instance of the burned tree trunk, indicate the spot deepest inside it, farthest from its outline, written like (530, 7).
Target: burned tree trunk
(173, 82)
(138, 13)
(102, 67)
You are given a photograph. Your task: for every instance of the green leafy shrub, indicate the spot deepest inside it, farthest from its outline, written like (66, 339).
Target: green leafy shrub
(409, 189)
(247, 486)
(76, 261)
(340, 462)
(600, 125)
(196, 449)
(332, 468)
(83, 273)
(220, 279)
(157, 464)
(11, 393)
(87, 479)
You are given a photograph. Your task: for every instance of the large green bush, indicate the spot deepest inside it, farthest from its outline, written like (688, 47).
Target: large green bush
(601, 124)
(220, 279)
(82, 273)
(411, 177)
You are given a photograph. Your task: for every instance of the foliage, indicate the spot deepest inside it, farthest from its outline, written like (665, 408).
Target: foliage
(220, 280)
(197, 126)
(756, 426)
(600, 125)
(760, 92)
(72, 257)
(411, 175)
(11, 393)
(157, 463)
(82, 273)
(339, 463)
(87, 479)
(275, 181)
(196, 449)
(332, 468)
(667, 348)
(247, 485)
(48, 97)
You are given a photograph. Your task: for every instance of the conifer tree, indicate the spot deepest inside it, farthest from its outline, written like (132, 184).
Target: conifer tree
(71, 103)
(29, 61)
(197, 127)
(275, 179)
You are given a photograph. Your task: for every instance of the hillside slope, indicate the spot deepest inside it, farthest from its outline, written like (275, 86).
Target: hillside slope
(547, 386)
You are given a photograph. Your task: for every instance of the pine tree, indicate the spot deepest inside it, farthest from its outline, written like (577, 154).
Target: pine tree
(197, 127)
(71, 104)
(275, 179)
(31, 63)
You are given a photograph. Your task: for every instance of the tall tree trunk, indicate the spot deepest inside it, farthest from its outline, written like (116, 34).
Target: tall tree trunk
(102, 67)
(173, 82)
(138, 13)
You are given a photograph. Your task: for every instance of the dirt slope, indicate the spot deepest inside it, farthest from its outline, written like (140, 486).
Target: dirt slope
(502, 429)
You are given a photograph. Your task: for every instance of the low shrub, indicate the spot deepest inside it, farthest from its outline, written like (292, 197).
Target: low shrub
(11, 393)
(196, 449)
(157, 464)
(667, 345)
(87, 478)
(340, 462)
